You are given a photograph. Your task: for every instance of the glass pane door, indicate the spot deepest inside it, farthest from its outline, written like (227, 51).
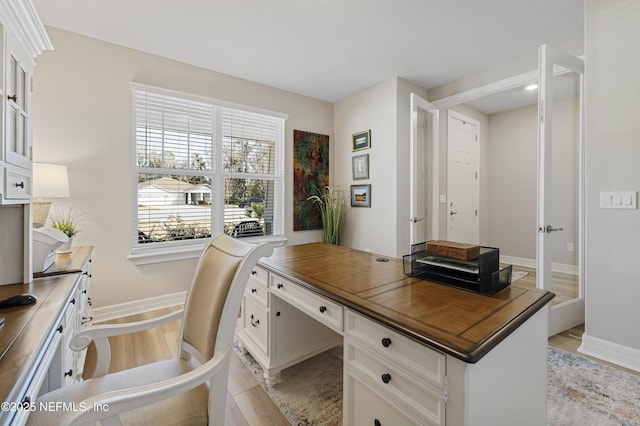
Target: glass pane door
(560, 221)
(17, 110)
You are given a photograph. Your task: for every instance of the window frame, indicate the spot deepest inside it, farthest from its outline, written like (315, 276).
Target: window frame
(191, 248)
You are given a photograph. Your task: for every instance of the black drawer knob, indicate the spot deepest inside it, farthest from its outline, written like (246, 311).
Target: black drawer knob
(253, 290)
(323, 309)
(254, 323)
(386, 378)
(376, 422)
(254, 272)
(68, 373)
(20, 185)
(386, 342)
(60, 328)
(280, 285)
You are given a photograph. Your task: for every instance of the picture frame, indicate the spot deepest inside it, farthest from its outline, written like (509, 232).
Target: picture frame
(361, 140)
(310, 175)
(360, 166)
(361, 195)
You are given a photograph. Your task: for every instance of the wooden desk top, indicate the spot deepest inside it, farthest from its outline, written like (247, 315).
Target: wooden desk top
(27, 329)
(458, 322)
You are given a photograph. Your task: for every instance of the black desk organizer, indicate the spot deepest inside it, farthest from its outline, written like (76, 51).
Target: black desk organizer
(482, 275)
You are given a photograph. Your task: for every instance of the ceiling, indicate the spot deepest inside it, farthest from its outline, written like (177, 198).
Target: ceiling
(327, 49)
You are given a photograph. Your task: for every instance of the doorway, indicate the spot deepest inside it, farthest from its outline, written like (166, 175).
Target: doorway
(463, 190)
(549, 241)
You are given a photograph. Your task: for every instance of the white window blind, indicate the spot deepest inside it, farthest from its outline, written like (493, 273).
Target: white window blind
(203, 168)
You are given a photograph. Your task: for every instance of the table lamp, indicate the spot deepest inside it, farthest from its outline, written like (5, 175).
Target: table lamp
(49, 181)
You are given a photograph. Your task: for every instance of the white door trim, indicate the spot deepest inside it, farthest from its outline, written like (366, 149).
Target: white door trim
(416, 102)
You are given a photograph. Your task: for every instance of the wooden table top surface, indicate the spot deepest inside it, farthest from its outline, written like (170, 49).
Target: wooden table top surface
(461, 323)
(27, 329)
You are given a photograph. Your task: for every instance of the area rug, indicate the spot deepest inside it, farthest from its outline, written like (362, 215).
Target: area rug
(583, 392)
(308, 393)
(580, 392)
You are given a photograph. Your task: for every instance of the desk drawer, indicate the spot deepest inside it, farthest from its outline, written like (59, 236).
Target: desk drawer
(396, 385)
(258, 291)
(260, 275)
(256, 323)
(368, 407)
(314, 305)
(18, 186)
(416, 359)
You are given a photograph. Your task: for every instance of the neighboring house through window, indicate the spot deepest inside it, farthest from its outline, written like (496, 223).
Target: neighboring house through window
(202, 168)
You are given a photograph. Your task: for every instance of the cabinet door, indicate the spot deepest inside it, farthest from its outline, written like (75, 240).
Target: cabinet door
(18, 106)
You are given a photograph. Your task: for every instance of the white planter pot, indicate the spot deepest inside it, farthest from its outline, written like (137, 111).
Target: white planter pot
(66, 247)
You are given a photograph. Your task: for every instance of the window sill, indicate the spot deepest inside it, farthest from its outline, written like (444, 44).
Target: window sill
(192, 250)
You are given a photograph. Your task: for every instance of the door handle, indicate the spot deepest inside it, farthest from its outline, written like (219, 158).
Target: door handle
(549, 229)
(451, 213)
(415, 220)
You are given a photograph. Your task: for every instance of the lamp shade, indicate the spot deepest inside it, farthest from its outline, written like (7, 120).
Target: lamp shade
(50, 180)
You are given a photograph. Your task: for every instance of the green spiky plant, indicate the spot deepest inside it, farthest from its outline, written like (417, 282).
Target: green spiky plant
(66, 221)
(330, 203)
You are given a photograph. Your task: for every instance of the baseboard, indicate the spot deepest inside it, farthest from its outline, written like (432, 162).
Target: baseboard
(614, 353)
(106, 313)
(562, 268)
(518, 261)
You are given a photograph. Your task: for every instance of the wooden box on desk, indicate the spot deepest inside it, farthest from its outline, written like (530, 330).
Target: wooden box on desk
(453, 250)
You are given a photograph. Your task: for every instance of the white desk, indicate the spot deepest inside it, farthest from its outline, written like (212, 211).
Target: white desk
(415, 352)
(34, 339)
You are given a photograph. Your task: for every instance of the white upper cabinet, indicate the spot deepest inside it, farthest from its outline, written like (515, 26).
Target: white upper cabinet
(22, 39)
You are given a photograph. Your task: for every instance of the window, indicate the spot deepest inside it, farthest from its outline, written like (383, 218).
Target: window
(203, 168)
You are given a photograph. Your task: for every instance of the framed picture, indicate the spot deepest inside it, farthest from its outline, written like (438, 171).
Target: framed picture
(310, 175)
(360, 195)
(361, 140)
(360, 166)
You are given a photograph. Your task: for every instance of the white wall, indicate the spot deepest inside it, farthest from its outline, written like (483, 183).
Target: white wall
(375, 108)
(82, 118)
(384, 109)
(613, 151)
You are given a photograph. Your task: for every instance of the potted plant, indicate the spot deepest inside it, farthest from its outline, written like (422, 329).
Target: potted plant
(330, 203)
(66, 221)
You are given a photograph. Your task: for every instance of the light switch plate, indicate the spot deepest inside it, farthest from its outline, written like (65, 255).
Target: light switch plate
(619, 200)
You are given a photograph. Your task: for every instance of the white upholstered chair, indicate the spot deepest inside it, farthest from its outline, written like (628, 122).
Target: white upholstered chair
(188, 390)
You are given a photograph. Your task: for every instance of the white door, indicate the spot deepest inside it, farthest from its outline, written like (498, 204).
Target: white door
(423, 181)
(462, 179)
(560, 161)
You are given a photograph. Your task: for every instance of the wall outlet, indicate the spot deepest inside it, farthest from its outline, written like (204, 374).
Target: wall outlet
(570, 247)
(443, 198)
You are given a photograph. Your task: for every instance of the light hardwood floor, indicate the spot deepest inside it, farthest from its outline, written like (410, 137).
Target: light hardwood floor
(565, 286)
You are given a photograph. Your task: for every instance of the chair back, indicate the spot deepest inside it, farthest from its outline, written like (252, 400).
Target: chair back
(215, 294)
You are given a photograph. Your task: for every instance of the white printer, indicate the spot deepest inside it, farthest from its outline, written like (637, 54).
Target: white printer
(45, 242)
